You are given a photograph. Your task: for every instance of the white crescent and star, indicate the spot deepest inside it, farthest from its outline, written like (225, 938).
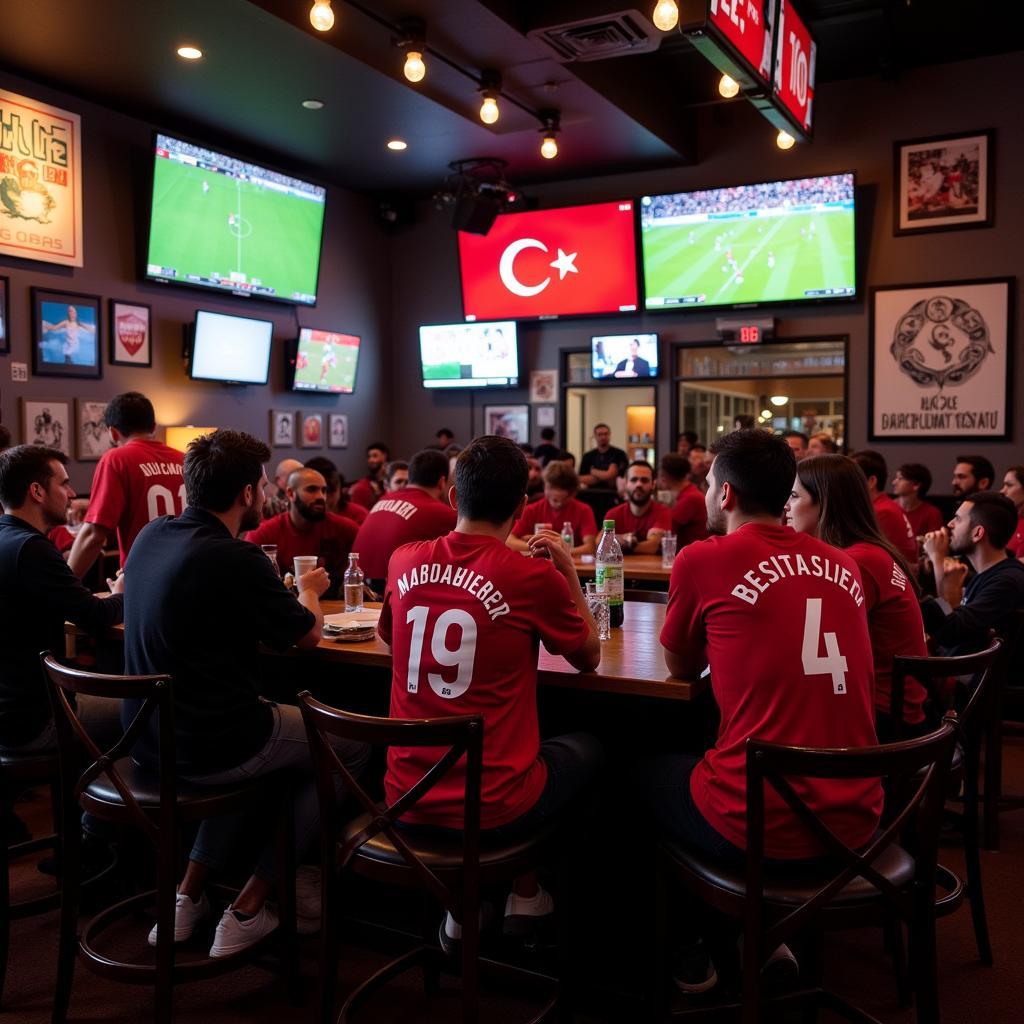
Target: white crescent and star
(564, 264)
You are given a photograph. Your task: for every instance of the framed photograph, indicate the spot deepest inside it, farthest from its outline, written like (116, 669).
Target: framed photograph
(511, 421)
(337, 430)
(543, 385)
(944, 183)
(65, 334)
(5, 315)
(940, 366)
(312, 429)
(130, 343)
(282, 429)
(92, 434)
(47, 421)
(546, 415)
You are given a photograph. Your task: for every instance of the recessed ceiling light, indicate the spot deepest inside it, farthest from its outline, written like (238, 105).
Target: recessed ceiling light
(397, 144)
(189, 52)
(313, 104)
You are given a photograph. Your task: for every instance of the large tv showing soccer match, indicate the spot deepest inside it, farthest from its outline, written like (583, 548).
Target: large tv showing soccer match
(325, 361)
(779, 241)
(224, 224)
(476, 355)
(230, 349)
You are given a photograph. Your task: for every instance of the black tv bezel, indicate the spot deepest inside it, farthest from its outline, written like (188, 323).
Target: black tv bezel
(212, 289)
(634, 382)
(293, 357)
(222, 380)
(757, 304)
(473, 387)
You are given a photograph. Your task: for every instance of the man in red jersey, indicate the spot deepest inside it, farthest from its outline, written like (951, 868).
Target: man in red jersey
(891, 521)
(307, 528)
(779, 618)
(688, 514)
(369, 488)
(136, 481)
(641, 517)
(337, 499)
(464, 615)
(910, 483)
(558, 507)
(418, 511)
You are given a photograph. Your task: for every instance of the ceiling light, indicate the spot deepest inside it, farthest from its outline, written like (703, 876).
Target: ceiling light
(490, 88)
(551, 120)
(313, 104)
(397, 145)
(666, 15)
(728, 87)
(489, 112)
(784, 140)
(190, 52)
(415, 70)
(766, 414)
(549, 147)
(321, 17)
(779, 400)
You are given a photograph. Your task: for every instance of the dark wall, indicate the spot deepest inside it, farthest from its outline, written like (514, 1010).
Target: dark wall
(354, 297)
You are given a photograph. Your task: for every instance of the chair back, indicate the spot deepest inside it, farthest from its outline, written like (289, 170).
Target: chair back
(462, 735)
(157, 696)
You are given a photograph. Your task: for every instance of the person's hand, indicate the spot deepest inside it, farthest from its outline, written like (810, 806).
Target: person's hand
(936, 545)
(116, 584)
(550, 543)
(953, 575)
(316, 580)
(627, 541)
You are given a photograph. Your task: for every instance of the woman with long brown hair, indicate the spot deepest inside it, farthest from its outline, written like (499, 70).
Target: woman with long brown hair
(830, 500)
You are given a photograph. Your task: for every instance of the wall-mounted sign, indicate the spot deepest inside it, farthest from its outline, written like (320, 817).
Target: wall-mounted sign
(795, 63)
(734, 35)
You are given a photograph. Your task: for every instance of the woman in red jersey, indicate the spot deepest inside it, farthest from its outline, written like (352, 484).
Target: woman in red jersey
(1013, 488)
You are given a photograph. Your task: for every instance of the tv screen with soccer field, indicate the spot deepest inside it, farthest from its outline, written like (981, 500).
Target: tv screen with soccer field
(779, 241)
(221, 223)
(325, 361)
(474, 355)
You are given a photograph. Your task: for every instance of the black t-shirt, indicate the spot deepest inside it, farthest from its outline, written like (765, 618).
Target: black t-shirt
(198, 604)
(595, 459)
(38, 594)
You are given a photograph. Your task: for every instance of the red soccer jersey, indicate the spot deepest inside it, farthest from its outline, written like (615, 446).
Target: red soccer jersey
(330, 540)
(62, 538)
(896, 527)
(364, 492)
(894, 623)
(781, 618)
(400, 517)
(657, 517)
(134, 484)
(464, 615)
(1016, 545)
(923, 519)
(354, 511)
(689, 515)
(578, 515)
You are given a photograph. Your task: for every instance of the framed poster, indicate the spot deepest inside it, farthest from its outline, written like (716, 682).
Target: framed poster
(543, 385)
(546, 415)
(130, 343)
(40, 181)
(944, 183)
(312, 429)
(47, 421)
(511, 421)
(92, 433)
(5, 315)
(337, 430)
(282, 429)
(940, 366)
(65, 334)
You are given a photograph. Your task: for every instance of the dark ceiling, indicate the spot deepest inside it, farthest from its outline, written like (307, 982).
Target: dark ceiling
(262, 58)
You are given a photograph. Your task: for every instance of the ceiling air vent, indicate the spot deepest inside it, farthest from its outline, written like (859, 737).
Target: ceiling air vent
(618, 34)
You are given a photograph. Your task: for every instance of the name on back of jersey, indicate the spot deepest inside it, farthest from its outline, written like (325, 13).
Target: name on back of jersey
(784, 566)
(461, 578)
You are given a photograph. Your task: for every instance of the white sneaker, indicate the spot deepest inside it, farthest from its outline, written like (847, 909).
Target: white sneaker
(524, 916)
(186, 916)
(233, 935)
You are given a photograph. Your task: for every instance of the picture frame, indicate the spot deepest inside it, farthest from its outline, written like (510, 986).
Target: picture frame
(511, 421)
(546, 416)
(91, 432)
(66, 332)
(543, 385)
(5, 315)
(944, 183)
(337, 430)
(282, 428)
(312, 433)
(47, 421)
(130, 330)
(940, 361)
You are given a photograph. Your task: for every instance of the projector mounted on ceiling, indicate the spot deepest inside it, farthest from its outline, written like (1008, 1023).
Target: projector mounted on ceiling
(478, 192)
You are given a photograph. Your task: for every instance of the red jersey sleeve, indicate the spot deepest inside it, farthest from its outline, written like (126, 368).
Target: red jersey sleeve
(587, 523)
(661, 517)
(384, 622)
(107, 502)
(557, 620)
(683, 632)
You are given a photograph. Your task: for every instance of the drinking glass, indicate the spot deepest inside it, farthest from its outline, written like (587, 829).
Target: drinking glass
(597, 602)
(541, 527)
(668, 550)
(270, 550)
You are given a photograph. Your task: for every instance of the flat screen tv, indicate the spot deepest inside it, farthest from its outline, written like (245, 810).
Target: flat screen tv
(221, 223)
(623, 356)
(569, 261)
(325, 361)
(230, 349)
(779, 241)
(477, 355)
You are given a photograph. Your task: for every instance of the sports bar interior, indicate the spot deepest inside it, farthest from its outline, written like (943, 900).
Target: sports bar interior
(335, 225)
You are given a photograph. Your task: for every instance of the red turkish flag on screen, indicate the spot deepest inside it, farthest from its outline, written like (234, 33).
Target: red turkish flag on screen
(564, 262)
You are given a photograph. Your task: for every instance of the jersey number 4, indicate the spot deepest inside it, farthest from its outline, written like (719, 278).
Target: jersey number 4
(833, 663)
(461, 657)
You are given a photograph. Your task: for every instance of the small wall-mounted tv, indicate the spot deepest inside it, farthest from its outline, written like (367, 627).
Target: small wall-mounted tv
(778, 241)
(624, 356)
(230, 349)
(221, 223)
(325, 361)
(476, 355)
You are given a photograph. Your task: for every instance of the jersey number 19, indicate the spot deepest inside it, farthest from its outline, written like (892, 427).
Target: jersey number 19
(461, 657)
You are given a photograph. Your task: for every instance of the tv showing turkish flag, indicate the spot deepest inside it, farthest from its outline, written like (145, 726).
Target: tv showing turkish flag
(570, 261)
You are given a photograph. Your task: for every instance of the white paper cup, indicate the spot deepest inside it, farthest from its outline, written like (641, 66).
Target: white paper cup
(304, 564)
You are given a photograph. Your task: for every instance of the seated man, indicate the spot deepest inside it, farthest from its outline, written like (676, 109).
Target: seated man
(688, 515)
(891, 521)
(419, 511)
(910, 483)
(307, 528)
(337, 494)
(603, 465)
(203, 603)
(369, 488)
(779, 617)
(396, 476)
(277, 496)
(558, 507)
(487, 608)
(640, 517)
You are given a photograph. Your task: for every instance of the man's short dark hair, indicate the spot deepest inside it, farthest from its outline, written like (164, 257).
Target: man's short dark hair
(24, 465)
(795, 433)
(993, 511)
(427, 467)
(640, 462)
(980, 467)
(327, 469)
(547, 434)
(872, 464)
(490, 479)
(698, 447)
(916, 473)
(445, 432)
(744, 421)
(690, 436)
(381, 447)
(393, 467)
(602, 426)
(5, 438)
(130, 413)
(759, 467)
(219, 465)
(674, 467)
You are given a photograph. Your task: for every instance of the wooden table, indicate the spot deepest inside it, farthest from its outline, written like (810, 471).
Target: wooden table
(634, 567)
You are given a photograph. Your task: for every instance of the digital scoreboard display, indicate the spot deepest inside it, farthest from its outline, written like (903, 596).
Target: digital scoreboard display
(795, 62)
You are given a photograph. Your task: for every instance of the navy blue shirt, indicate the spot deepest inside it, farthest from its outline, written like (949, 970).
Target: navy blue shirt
(198, 604)
(38, 594)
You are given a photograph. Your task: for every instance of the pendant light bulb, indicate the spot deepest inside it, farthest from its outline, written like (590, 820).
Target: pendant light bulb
(321, 16)
(728, 87)
(489, 112)
(784, 140)
(415, 70)
(549, 147)
(666, 15)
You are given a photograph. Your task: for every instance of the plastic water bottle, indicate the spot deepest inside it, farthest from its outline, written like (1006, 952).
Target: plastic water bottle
(567, 536)
(354, 577)
(609, 572)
